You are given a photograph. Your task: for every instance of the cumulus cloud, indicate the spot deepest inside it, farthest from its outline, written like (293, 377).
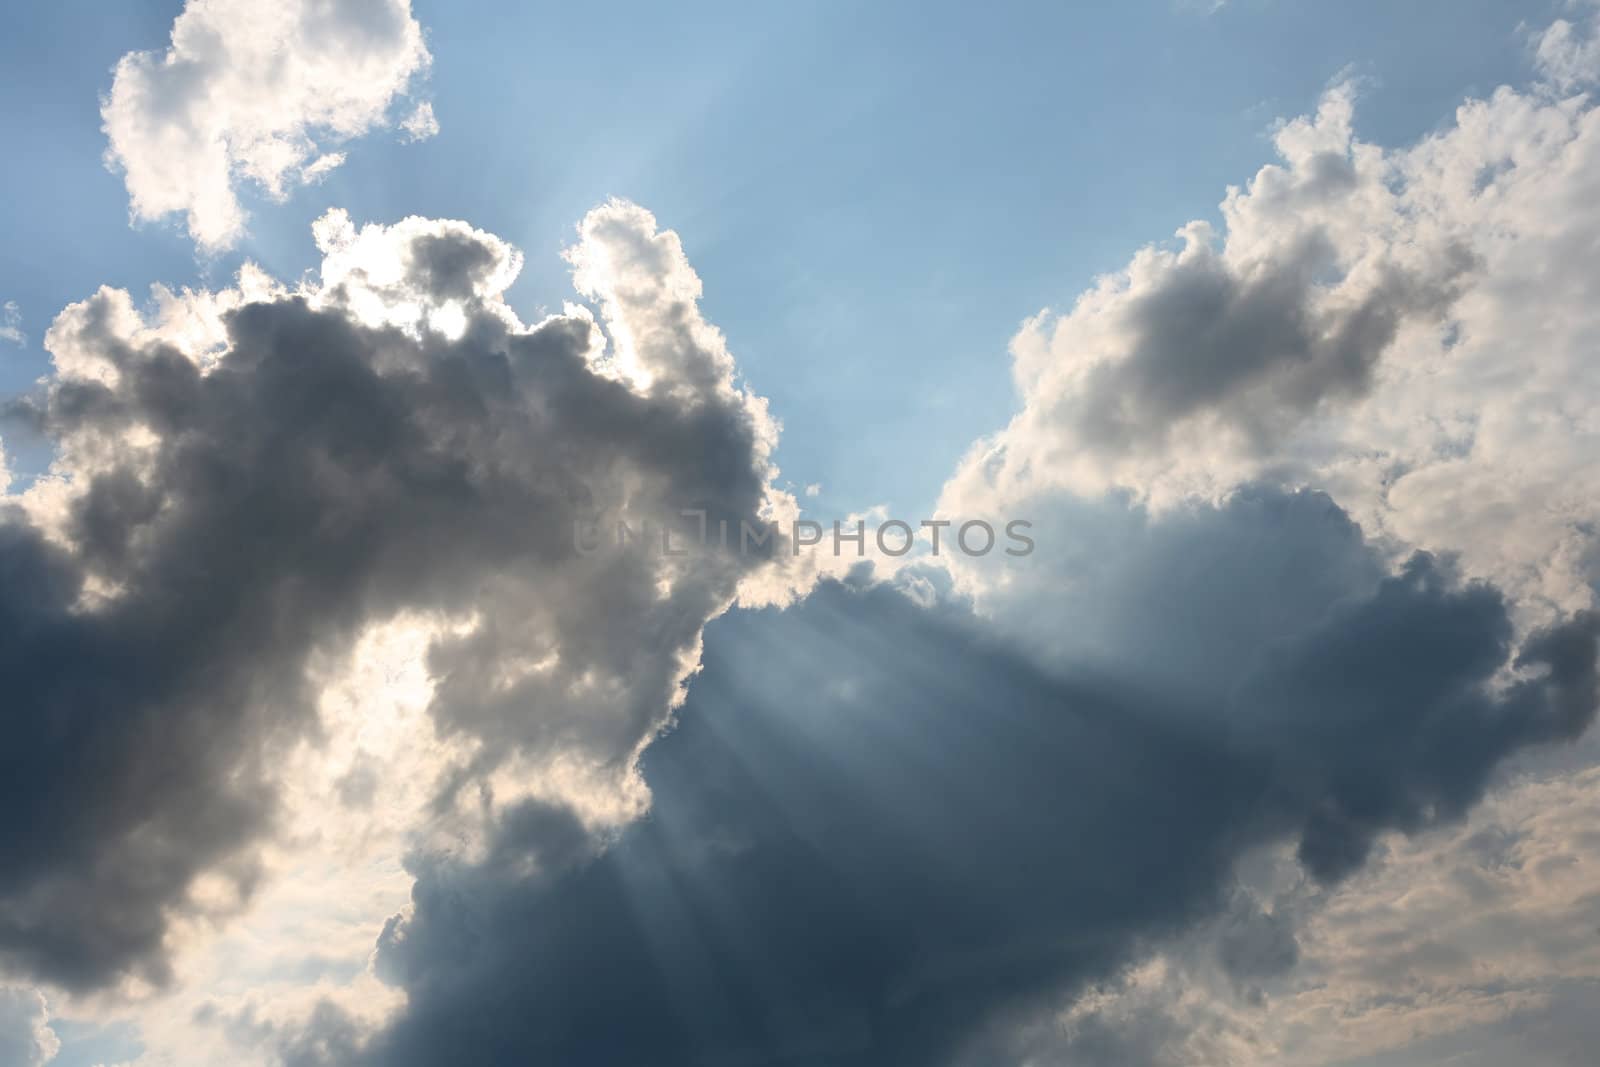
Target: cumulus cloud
(946, 834)
(1411, 330)
(250, 92)
(942, 835)
(1230, 344)
(1407, 328)
(250, 481)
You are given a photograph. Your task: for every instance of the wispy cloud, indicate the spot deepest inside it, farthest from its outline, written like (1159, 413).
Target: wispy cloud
(11, 324)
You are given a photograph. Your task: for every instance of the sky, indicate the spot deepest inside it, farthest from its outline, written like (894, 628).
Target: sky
(426, 435)
(866, 188)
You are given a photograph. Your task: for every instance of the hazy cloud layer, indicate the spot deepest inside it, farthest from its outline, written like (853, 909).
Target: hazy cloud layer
(1456, 946)
(256, 92)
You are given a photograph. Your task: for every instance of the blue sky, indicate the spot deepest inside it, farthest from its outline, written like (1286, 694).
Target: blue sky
(875, 195)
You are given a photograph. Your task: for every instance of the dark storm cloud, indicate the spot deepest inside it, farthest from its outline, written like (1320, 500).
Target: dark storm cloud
(879, 833)
(324, 475)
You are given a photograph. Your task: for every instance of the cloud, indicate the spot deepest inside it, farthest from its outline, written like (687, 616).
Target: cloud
(1482, 934)
(1190, 1003)
(1567, 54)
(1028, 833)
(1457, 946)
(254, 92)
(26, 1039)
(1231, 346)
(1460, 424)
(1407, 328)
(11, 324)
(230, 510)
(304, 591)
(945, 835)
(420, 124)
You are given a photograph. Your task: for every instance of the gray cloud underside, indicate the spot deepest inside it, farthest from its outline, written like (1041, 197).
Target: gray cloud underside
(940, 837)
(1250, 348)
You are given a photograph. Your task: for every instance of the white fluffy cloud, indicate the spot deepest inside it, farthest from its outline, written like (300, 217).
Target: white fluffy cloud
(256, 92)
(1409, 329)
